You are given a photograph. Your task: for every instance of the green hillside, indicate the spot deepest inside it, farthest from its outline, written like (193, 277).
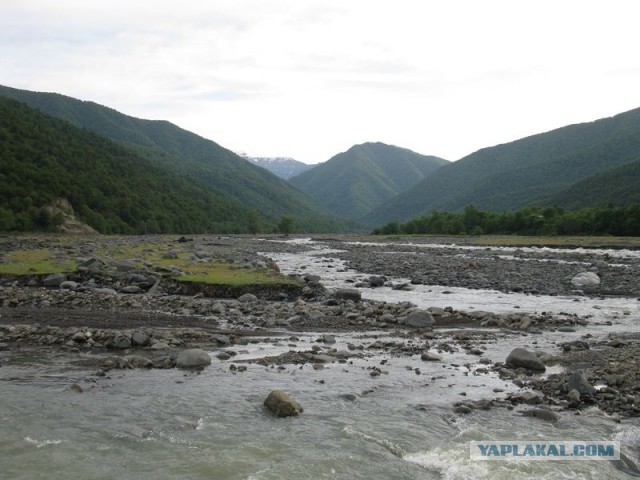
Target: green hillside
(190, 155)
(617, 187)
(110, 187)
(354, 182)
(520, 173)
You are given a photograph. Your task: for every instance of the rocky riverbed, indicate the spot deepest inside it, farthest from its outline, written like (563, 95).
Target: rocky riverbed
(130, 317)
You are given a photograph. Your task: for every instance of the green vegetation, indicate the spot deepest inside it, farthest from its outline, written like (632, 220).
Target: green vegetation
(34, 262)
(111, 188)
(352, 183)
(624, 221)
(286, 225)
(208, 271)
(618, 187)
(153, 254)
(531, 171)
(224, 274)
(180, 153)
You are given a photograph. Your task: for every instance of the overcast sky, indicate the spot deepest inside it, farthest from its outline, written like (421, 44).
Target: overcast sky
(311, 78)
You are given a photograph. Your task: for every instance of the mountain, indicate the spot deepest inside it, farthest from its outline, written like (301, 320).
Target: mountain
(525, 172)
(188, 154)
(618, 187)
(354, 182)
(282, 167)
(45, 161)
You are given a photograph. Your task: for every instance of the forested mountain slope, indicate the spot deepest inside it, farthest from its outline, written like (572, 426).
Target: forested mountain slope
(354, 182)
(520, 173)
(111, 188)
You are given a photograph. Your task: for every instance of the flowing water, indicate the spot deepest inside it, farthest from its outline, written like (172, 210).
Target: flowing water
(171, 424)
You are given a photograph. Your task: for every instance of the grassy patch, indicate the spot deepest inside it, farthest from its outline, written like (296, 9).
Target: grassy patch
(181, 257)
(35, 262)
(224, 274)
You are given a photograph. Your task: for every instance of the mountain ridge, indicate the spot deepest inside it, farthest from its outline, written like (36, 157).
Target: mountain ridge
(522, 172)
(187, 153)
(283, 167)
(45, 160)
(353, 182)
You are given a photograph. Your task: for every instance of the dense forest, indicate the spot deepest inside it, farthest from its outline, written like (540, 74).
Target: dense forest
(111, 188)
(353, 182)
(192, 157)
(621, 221)
(536, 170)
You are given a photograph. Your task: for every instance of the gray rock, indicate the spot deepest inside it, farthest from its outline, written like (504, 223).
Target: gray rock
(121, 342)
(430, 357)
(140, 339)
(138, 361)
(248, 298)
(464, 409)
(91, 262)
(573, 395)
(530, 398)
(350, 397)
(79, 337)
(69, 285)
(125, 265)
(376, 281)
(217, 308)
(323, 358)
(521, 358)
(131, 289)
(578, 381)
(328, 339)
(349, 294)
(222, 339)
(104, 291)
(419, 319)
(193, 358)
(585, 279)
(281, 404)
(542, 414)
(54, 280)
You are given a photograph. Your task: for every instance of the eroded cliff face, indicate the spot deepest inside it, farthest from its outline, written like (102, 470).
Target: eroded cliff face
(70, 223)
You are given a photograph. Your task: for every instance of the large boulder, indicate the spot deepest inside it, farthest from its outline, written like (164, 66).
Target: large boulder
(54, 280)
(585, 280)
(120, 342)
(247, 298)
(522, 358)
(140, 339)
(579, 381)
(281, 404)
(430, 357)
(193, 358)
(349, 294)
(419, 319)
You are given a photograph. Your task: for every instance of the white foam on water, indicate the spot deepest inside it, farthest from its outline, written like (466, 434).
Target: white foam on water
(451, 463)
(41, 443)
(200, 424)
(383, 442)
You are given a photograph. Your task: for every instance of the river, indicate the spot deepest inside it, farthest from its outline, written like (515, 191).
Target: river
(168, 424)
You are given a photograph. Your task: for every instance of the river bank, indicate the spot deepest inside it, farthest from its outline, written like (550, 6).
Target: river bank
(338, 328)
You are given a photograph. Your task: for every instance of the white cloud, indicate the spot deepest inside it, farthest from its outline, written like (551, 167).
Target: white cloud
(310, 78)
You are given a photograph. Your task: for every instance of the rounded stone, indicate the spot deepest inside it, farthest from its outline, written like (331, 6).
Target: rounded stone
(193, 358)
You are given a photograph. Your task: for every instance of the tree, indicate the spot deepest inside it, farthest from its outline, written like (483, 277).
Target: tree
(253, 219)
(285, 225)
